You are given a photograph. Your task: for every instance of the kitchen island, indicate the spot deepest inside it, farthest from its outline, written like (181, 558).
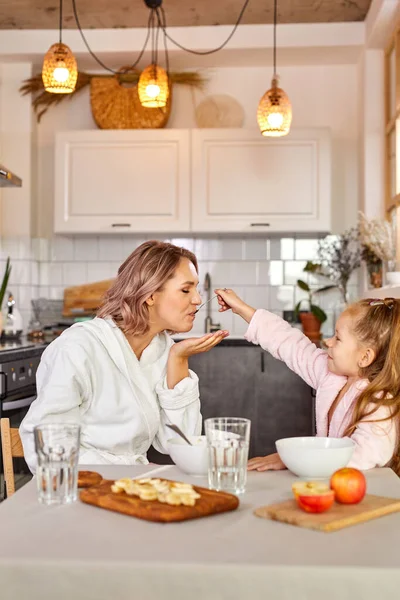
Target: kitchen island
(83, 552)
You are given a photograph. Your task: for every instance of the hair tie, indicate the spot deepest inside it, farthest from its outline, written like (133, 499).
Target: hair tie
(388, 302)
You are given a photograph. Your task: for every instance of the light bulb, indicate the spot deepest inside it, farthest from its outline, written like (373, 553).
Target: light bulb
(61, 73)
(275, 120)
(152, 90)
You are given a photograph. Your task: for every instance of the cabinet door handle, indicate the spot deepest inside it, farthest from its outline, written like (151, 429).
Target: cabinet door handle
(262, 362)
(121, 225)
(259, 224)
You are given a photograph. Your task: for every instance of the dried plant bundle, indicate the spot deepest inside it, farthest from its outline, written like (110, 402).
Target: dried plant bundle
(377, 238)
(44, 100)
(339, 256)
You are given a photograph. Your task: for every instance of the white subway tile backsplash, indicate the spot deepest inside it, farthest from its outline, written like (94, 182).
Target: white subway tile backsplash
(239, 325)
(62, 249)
(55, 274)
(287, 248)
(187, 243)
(256, 249)
(40, 249)
(98, 271)
(257, 296)
(34, 273)
(293, 270)
(130, 243)
(23, 301)
(111, 248)
(281, 249)
(25, 248)
(86, 249)
(225, 274)
(262, 271)
(20, 272)
(270, 273)
(224, 320)
(56, 292)
(74, 274)
(44, 273)
(223, 249)
(306, 249)
(281, 297)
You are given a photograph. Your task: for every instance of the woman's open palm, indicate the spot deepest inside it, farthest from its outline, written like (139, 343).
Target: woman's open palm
(194, 345)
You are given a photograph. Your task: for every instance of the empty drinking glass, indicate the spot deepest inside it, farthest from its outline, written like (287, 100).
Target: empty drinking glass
(57, 449)
(228, 450)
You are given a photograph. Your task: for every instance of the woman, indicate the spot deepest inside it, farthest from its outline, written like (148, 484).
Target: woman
(120, 375)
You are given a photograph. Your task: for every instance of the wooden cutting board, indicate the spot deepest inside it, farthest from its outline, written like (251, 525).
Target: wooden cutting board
(84, 299)
(337, 517)
(210, 503)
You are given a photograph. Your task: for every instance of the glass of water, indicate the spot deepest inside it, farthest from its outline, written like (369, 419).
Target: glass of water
(57, 449)
(228, 450)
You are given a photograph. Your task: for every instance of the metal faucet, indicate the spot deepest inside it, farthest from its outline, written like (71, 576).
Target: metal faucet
(209, 326)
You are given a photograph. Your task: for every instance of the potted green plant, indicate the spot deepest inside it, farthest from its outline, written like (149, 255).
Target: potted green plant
(312, 319)
(3, 289)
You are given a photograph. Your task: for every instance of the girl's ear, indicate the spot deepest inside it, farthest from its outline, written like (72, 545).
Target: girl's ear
(367, 358)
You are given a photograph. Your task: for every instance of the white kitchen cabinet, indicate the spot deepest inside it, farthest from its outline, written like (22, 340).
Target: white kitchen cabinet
(122, 181)
(203, 180)
(244, 182)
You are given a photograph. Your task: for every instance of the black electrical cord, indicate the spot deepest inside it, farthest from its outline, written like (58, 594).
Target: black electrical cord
(205, 52)
(100, 62)
(162, 24)
(61, 19)
(275, 18)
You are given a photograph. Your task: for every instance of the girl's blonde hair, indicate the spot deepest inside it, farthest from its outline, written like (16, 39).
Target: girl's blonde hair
(142, 274)
(377, 325)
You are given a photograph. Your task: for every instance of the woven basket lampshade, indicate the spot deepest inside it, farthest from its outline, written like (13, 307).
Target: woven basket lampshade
(153, 87)
(274, 114)
(59, 72)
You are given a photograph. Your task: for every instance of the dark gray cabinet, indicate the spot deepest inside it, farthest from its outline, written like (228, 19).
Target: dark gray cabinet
(245, 381)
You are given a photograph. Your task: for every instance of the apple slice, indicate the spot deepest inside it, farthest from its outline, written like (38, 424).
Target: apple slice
(313, 496)
(309, 487)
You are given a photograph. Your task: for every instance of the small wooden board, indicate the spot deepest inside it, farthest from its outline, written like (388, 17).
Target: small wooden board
(84, 299)
(337, 517)
(210, 503)
(88, 478)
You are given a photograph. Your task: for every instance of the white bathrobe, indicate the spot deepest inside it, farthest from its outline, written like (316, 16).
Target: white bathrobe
(90, 375)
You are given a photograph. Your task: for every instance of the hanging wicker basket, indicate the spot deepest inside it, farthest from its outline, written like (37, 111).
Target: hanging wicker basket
(117, 106)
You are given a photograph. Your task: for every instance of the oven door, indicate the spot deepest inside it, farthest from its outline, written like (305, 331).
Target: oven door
(15, 406)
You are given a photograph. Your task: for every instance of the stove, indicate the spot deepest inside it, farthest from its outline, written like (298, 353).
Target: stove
(19, 360)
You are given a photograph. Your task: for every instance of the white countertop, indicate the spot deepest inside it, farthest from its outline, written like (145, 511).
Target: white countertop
(82, 552)
(389, 291)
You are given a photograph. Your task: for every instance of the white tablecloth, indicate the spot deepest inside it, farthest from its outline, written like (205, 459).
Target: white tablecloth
(80, 552)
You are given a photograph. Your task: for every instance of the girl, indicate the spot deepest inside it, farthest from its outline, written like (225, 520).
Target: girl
(121, 376)
(357, 381)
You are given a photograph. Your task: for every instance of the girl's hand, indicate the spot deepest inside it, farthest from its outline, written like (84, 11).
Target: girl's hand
(227, 299)
(272, 462)
(192, 346)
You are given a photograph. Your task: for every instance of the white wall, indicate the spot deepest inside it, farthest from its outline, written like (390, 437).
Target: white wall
(263, 270)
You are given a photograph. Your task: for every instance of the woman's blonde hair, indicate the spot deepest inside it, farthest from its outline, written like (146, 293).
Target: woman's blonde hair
(377, 325)
(142, 274)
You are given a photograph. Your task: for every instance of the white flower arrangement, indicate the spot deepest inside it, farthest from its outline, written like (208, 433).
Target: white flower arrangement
(377, 236)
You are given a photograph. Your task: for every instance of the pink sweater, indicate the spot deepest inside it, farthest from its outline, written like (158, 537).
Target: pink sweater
(375, 442)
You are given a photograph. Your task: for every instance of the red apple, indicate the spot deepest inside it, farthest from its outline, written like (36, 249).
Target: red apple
(312, 496)
(349, 485)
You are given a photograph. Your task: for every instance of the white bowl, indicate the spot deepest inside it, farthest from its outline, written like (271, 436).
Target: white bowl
(393, 277)
(315, 457)
(190, 459)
